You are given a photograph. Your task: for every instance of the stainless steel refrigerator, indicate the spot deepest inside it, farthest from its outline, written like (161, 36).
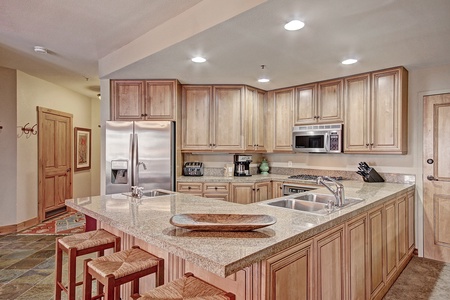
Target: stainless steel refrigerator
(140, 153)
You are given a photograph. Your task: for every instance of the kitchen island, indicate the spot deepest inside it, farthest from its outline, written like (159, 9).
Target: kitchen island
(254, 264)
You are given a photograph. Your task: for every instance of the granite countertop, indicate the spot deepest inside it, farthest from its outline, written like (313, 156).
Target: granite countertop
(224, 253)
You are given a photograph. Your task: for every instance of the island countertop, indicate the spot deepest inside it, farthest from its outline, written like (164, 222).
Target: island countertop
(225, 253)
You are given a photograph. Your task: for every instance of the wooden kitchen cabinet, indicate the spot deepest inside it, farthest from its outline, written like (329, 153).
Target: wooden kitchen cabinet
(289, 274)
(319, 103)
(246, 193)
(213, 118)
(193, 188)
(216, 190)
(376, 251)
(376, 118)
(255, 120)
(144, 99)
(330, 267)
(277, 189)
(280, 110)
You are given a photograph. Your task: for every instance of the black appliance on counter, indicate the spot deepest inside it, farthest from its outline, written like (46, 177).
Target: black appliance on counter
(193, 168)
(242, 165)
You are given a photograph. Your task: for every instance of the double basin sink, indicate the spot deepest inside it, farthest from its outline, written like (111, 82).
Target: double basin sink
(319, 204)
(151, 193)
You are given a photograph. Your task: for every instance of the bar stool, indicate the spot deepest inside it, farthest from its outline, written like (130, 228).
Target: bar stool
(187, 287)
(111, 271)
(77, 245)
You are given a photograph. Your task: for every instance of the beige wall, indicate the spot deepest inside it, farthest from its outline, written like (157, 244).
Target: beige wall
(33, 92)
(8, 146)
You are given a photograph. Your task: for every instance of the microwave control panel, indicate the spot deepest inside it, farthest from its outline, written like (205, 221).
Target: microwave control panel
(335, 144)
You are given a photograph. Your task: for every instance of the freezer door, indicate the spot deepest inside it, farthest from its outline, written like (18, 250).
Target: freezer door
(118, 156)
(155, 163)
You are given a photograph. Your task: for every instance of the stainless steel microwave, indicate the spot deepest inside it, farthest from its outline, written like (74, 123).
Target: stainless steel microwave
(326, 138)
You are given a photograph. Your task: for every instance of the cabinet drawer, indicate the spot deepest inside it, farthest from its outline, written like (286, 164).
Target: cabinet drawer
(216, 187)
(190, 187)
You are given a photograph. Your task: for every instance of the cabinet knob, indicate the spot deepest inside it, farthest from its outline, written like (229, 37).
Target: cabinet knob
(189, 187)
(367, 145)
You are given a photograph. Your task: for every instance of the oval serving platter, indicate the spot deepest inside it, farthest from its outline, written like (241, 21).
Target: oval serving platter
(222, 222)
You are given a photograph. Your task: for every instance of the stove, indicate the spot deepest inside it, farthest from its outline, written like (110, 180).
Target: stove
(311, 177)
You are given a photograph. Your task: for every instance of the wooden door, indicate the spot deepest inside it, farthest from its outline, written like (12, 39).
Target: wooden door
(277, 189)
(357, 118)
(305, 104)
(127, 100)
(376, 250)
(262, 191)
(160, 100)
(330, 103)
(390, 214)
(436, 177)
(55, 162)
(196, 117)
(228, 118)
(241, 193)
(255, 131)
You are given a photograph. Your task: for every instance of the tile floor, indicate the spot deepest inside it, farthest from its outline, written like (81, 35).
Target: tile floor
(27, 272)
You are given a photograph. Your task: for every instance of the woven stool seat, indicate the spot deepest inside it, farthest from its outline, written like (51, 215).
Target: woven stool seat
(113, 270)
(87, 239)
(187, 287)
(77, 245)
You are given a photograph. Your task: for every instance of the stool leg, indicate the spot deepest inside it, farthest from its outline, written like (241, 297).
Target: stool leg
(109, 288)
(72, 273)
(159, 275)
(87, 281)
(58, 275)
(135, 288)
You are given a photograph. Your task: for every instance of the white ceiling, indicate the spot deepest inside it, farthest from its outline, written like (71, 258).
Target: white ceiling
(156, 39)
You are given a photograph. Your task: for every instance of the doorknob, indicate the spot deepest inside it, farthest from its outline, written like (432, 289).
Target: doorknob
(431, 178)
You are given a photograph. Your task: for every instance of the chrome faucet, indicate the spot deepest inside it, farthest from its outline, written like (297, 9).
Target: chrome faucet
(137, 191)
(338, 192)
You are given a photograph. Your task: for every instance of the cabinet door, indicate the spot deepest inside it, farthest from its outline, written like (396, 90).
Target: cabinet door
(160, 100)
(357, 251)
(330, 103)
(277, 189)
(411, 224)
(242, 193)
(330, 264)
(305, 104)
(255, 131)
(195, 188)
(402, 228)
(127, 99)
(390, 214)
(357, 120)
(216, 190)
(283, 119)
(289, 274)
(262, 191)
(196, 117)
(228, 118)
(389, 111)
(376, 250)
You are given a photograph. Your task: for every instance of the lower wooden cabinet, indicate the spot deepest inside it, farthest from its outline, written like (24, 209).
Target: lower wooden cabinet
(246, 193)
(194, 188)
(277, 189)
(218, 190)
(359, 259)
(289, 274)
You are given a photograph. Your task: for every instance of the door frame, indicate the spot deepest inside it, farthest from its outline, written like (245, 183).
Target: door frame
(41, 184)
(419, 202)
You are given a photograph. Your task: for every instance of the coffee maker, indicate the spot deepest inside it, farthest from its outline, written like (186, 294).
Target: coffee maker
(242, 165)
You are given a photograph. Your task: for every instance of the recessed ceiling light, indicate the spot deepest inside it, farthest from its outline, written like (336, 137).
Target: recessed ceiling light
(349, 61)
(39, 49)
(198, 59)
(263, 80)
(294, 25)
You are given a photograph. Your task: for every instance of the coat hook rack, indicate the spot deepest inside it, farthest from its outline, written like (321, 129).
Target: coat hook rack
(28, 131)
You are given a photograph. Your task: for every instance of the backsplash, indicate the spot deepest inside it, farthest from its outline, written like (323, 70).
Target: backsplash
(350, 175)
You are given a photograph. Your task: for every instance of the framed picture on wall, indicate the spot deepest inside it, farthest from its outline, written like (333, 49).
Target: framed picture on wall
(82, 149)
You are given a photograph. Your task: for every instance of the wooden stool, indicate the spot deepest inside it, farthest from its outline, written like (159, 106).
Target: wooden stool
(111, 271)
(77, 245)
(187, 287)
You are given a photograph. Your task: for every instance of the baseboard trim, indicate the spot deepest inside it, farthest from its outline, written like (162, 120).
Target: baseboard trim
(18, 227)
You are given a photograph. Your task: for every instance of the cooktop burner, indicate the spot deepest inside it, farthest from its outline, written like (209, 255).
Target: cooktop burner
(311, 177)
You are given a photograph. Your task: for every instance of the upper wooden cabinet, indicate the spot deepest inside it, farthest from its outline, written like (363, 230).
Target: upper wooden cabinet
(376, 117)
(144, 99)
(213, 118)
(319, 103)
(279, 129)
(255, 120)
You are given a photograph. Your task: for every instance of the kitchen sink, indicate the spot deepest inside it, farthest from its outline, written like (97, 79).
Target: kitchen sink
(151, 193)
(313, 203)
